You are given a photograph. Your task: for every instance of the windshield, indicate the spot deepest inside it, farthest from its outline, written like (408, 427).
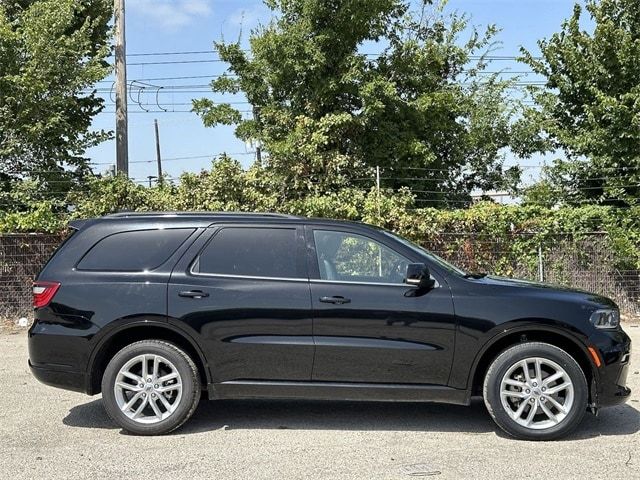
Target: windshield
(432, 256)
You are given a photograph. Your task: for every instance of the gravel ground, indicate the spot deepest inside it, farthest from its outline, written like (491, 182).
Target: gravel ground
(50, 433)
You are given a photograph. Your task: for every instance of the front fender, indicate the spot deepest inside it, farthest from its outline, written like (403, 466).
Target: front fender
(487, 345)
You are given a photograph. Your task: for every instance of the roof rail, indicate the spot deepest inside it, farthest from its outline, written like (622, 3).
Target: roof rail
(77, 224)
(125, 214)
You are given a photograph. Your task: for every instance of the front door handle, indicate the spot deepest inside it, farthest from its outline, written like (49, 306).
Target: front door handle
(338, 300)
(193, 294)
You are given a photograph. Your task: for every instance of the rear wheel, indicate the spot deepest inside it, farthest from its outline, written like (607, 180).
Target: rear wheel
(535, 391)
(150, 387)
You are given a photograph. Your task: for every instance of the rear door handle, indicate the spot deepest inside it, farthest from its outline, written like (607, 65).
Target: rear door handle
(338, 300)
(193, 294)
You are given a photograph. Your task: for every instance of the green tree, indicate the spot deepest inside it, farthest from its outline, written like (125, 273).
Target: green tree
(326, 110)
(590, 104)
(51, 54)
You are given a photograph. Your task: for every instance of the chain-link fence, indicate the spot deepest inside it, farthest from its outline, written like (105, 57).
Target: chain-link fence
(585, 262)
(21, 258)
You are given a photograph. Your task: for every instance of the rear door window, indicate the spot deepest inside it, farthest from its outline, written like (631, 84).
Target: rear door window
(134, 251)
(252, 251)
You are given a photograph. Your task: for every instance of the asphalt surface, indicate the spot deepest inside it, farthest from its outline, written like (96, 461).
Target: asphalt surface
(50, 433)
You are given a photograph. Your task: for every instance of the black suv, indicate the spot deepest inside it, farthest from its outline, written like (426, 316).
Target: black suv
(153, 309)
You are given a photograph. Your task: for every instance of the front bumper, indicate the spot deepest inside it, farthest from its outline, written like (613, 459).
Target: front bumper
(610, 382)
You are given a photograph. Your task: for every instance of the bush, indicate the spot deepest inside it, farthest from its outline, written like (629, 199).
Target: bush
(517, 230)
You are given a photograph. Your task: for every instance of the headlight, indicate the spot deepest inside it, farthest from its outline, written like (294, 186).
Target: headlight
(605, 318)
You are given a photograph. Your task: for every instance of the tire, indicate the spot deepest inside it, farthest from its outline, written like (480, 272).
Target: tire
(169, 402)
(567, 402)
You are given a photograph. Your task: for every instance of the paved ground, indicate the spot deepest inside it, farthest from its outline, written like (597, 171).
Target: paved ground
(50, 433)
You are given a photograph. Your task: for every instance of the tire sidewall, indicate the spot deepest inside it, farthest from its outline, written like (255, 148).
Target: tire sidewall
(190, 387)
(511, 356)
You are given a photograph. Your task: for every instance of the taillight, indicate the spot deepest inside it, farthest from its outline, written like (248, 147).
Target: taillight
(43, 292)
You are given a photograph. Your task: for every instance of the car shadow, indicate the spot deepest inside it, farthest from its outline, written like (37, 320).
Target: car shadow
(361, 416)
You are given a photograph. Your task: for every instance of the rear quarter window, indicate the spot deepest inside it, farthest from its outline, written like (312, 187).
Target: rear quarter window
(70, 233)
(134, 251)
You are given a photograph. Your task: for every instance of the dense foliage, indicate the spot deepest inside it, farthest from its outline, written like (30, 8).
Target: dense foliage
(51, 54)
(590, 106)
(512, 231)
(338, 88)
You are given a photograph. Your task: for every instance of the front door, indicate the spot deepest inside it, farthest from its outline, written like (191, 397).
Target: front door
(369, 326)
(244, 295)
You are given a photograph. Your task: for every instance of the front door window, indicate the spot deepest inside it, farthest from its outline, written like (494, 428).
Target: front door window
(355, 258)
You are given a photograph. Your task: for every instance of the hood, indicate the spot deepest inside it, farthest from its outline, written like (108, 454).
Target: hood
(548, 290)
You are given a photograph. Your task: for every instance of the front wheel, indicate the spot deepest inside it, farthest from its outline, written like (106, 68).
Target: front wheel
(150, 387)
(535, 391)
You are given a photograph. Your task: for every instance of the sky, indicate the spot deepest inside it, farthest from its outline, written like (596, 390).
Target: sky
(165, 26)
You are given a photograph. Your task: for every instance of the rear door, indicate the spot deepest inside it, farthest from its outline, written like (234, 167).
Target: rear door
(368, 325)
(245, 295)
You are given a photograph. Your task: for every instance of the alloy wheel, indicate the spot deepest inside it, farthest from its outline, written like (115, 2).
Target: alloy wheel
(537, 393)
(148, 388)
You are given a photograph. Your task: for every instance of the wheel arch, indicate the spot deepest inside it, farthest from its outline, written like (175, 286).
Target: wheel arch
(500, 342)
(127, 334)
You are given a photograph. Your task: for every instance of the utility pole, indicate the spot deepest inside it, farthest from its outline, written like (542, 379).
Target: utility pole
(159, 158)
(540, 264)
(122, 141)
(379, 219)
(258, 143)
(259, 152)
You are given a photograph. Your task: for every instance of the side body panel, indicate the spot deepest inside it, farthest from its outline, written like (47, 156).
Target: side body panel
(249, 328)
(88, 303)
(386, 333)
(491, 308)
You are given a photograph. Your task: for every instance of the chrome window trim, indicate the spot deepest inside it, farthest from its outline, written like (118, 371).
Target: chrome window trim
(248, 277)
(289, 279)
(348, 282)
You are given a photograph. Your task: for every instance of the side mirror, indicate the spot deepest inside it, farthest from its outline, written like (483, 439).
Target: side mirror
(418, 276)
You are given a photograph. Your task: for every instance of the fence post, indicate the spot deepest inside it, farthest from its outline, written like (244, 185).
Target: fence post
(378, 190)
(540, 264)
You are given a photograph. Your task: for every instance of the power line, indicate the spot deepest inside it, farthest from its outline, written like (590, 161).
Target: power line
(175, 62)
(370, 178)
(232, 75)
(179, 104)
(185, 88)
(193, 52)
(163, 111)
(521, 166)
(219, 60)
(186, 77)
(367, 54)
(147, 111)
(169, 159)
